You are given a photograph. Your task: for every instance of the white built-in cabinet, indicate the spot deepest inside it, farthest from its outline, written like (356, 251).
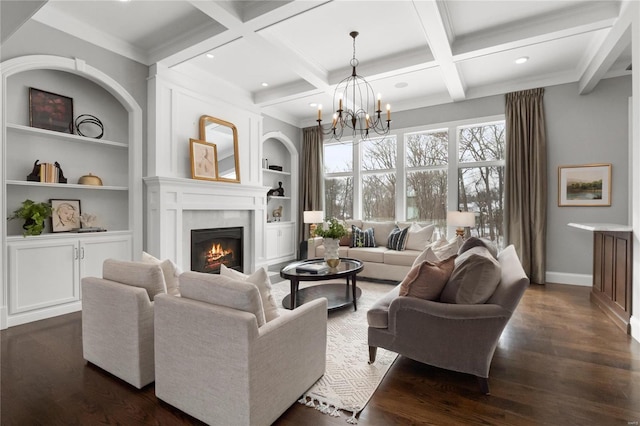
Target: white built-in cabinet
(280, 233)
(42, 273)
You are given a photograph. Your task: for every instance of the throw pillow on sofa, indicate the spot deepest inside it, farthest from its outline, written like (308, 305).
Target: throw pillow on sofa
(170, 271)
(260, 279)
(426, 280)
(397, 238)
(472, 242)
(419, 236)
(444, 248)
(362, 238)
(474, 279)
(427, 254)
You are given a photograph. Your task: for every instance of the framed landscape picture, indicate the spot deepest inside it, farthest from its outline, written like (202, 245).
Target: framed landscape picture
(204, 160)
(50, 111)
(587, 185)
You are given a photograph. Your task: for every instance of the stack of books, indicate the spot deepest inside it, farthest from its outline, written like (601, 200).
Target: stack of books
(49, 173)
(313, 268)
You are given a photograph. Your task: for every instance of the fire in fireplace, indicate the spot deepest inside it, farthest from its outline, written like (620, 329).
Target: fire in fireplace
(211, 248)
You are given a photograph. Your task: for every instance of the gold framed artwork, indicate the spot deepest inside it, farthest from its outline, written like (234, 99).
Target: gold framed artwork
(586, 185)
(204, 160)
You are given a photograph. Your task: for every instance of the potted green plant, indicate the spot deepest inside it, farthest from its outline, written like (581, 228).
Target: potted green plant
(34, 215)
(331, 240)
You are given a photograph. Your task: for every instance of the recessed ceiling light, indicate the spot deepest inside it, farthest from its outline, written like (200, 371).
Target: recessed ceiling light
(401, 85)
(313, 104)
(265, 84)
(210, 55)
(522, 60)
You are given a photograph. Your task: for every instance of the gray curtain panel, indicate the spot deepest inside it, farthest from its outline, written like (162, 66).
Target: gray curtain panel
(311, 176)
(526, 182)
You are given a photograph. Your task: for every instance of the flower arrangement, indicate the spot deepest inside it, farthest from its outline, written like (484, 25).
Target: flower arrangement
(335, 230)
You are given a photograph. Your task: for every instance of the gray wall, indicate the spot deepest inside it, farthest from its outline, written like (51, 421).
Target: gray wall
(580, 130)
(270, 124)
(593, 128)
(34, 38)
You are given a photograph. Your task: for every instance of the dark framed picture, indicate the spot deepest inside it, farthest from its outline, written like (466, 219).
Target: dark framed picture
(204, 160)
(65, 215)
(586, 185)
(50, 111)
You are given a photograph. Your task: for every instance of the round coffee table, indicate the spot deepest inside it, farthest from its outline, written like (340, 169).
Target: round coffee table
(338, 295)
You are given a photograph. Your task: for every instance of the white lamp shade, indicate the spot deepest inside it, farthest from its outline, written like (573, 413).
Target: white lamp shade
(461, 219)
(313, 216)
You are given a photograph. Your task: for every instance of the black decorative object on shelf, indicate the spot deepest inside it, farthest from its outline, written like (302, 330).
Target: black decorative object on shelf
(46, 172)
(85, 119)
(277, 168)
(279, 192)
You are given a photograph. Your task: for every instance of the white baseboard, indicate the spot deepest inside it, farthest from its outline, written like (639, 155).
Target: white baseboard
(3, 317)
(40, 314)
(571, 279)
(635, 327)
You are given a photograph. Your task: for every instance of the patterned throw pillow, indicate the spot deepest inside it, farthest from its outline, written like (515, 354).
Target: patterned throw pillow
(397, 238)
(362, 238)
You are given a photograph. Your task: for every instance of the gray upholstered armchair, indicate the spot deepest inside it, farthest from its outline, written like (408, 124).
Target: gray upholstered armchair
(117, 319)
(219, 361)
(458, 337)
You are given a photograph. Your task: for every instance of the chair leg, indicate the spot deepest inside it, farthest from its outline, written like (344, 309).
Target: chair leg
(483, 382)
(372, 354)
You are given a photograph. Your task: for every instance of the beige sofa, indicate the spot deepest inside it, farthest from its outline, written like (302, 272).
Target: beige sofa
(379, 262)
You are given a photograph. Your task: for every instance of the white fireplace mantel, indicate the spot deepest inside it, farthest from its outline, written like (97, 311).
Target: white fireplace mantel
(169, 197)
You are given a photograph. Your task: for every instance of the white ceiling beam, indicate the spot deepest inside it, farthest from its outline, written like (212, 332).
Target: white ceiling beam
(53, 18)
(592, 17)
(236, 28)
(435, 31)
(14, 14)
(616, 41)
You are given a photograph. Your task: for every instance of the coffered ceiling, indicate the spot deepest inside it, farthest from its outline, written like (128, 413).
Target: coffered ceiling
(415, 53)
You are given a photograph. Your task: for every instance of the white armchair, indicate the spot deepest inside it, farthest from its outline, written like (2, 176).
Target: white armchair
(215, 363)
(117, 319)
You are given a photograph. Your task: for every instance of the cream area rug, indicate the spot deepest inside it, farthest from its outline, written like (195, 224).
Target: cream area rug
(349, 381)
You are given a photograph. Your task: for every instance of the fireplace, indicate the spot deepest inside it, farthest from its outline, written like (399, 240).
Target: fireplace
(211, 248)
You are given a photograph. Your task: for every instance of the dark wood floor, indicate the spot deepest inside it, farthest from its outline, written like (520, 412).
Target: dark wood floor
(559, 362)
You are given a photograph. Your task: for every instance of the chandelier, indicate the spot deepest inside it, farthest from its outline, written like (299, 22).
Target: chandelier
(355, 106)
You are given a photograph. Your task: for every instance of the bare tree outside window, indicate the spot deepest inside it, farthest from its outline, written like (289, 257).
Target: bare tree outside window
(426, 158)
(338, 183)
(481, 177)
(379, 179)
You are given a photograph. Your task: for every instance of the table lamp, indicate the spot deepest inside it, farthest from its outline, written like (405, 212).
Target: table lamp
(461, 220)
(313, 217)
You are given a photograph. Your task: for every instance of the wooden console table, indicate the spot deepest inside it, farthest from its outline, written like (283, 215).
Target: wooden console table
(612, 270)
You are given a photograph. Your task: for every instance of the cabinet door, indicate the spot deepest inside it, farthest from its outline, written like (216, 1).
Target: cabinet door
(287, 245)
(42, 274)
(271, 241)
(94, 251)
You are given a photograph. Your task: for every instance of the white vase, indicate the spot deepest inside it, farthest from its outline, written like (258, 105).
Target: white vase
(331, 255)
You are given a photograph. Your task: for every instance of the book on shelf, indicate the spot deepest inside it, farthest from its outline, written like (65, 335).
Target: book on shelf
(314, 268)
(49, 173)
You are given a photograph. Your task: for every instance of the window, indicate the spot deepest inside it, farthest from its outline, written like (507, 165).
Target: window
(407, 176)
(379, 179)
(338, 184)
(427, 155)
(481, 176)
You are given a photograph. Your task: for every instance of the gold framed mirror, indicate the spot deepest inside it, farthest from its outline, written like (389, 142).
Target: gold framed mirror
(225, 136)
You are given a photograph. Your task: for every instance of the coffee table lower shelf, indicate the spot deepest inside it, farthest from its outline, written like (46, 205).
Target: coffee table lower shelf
(338, 295)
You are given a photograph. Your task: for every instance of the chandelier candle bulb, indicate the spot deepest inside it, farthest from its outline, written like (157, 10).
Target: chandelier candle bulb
(340, 104)
(379, 101)
(335, 119)
(319, 112)
(388, 112)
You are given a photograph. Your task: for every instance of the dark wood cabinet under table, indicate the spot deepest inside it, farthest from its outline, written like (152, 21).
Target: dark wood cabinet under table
(612, 274)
